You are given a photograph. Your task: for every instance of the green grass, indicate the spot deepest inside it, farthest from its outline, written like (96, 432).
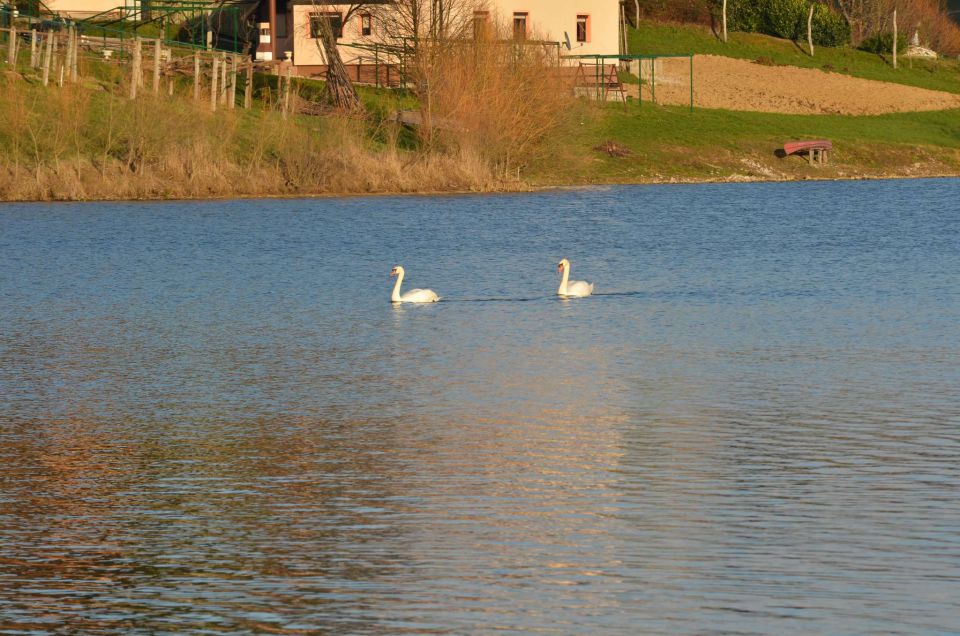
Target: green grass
(672, 142)
(659, 38)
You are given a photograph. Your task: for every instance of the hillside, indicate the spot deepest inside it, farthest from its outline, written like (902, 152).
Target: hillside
(653, 38)
(737, 84)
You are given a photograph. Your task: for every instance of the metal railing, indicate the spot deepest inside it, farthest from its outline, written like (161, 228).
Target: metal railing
(601, 60)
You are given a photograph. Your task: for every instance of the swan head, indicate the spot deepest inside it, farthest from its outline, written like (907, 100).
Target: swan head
(562, 265)
(396, 271)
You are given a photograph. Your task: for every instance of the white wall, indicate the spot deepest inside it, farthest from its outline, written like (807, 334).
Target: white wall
(549, 19)
(82, 8)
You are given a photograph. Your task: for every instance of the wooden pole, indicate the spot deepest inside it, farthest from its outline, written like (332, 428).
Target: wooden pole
(139, 63)
(66, 54)
(233, 82)
(810, 30)
(196, 76)
(46, 58)
(894, 38)
(135, 68)
(33, 48)
(223, 79)
(12, 44)
(74, 68)
(156, 65)
(16, 50)
(213, 84)
(248, 89)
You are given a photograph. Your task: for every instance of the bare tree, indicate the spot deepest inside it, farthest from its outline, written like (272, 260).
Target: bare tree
(325, 24)
(724, 20)
(415, 22)
(865, 17)
(427, 31)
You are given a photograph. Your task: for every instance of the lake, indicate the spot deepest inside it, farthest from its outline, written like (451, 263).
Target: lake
(213, 420)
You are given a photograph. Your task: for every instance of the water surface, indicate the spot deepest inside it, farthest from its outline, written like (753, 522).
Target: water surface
(213, 420)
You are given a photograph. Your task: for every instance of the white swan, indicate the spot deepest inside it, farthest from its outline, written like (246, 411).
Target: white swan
(412, 296)
(573, 287)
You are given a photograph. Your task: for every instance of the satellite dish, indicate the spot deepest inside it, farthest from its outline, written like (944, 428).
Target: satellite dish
(566, 38)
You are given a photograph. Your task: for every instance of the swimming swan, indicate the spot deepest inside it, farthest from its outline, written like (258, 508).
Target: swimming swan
(574, 287)
(412, 296)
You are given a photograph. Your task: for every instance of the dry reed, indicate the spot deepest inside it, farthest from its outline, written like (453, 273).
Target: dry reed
(81, 143)
(491, 99)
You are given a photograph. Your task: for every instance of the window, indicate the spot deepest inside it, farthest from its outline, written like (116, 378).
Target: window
(481, 24)
(583, 28)
(366, 24)
(520, 26)
(334, 23)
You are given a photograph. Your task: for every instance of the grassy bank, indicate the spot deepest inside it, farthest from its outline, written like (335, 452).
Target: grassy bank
(88, 141)
(659, 38)
(663, 144)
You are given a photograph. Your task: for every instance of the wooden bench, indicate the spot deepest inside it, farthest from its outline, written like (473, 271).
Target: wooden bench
(817, 151)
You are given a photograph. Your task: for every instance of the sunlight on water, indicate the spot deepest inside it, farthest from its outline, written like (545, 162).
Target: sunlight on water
(213, 420)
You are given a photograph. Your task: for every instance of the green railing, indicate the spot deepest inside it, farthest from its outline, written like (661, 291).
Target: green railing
(600, 60)
(111, 37)
(192, 21)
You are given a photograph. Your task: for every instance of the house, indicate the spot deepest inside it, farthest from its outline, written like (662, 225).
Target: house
(80, 9)
(289, 28)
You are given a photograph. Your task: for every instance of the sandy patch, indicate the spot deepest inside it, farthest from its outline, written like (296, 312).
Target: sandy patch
(723, 82)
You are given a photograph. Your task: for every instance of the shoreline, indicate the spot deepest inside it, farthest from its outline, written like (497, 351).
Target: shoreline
(521, 188)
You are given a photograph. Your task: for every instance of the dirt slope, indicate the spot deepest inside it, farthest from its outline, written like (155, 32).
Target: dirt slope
(723, 82)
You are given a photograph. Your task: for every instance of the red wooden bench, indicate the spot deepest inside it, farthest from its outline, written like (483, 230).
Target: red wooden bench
(817, 151)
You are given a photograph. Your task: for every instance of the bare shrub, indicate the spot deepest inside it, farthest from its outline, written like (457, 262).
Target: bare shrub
(491, 99)
(868, 18)
(77, 142)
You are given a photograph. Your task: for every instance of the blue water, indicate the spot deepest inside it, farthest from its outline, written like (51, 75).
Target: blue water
(212, 420)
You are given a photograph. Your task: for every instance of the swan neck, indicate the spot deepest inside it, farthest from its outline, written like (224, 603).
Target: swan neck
(563, 280)
(395, 297)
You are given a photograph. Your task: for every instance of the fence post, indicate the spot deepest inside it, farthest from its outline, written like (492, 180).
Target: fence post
(135, 68)
(233, 82)
(66, 54)
(33, 48)
(223, 79)
(12, 44)
(248, 89)
(46, 58)
(213, 83)
(74, 72)
(156, 65)
(196, 76)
